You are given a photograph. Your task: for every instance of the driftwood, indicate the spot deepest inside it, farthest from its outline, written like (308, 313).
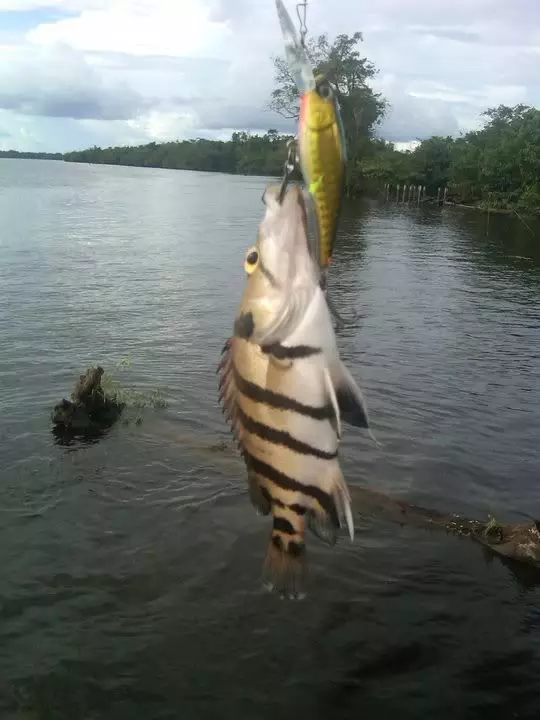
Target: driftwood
(516, 545)
(89, 412)
(514, 542)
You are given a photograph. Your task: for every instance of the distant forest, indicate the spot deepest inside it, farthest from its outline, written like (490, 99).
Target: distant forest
(30, 155)
(497, 166)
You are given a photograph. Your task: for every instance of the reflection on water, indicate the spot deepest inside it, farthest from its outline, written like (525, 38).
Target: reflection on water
(130, 566)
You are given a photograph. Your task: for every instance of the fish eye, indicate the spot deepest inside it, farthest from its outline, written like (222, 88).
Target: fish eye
(252, 260)
(325, 91)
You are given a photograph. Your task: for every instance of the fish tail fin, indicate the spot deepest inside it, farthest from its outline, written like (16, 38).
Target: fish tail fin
(285, 566)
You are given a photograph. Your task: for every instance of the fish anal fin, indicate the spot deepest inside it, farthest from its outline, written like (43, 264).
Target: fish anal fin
(325, 521)
(322, 527)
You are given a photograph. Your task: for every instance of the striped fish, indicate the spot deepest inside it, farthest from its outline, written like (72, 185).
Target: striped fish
(286, 393)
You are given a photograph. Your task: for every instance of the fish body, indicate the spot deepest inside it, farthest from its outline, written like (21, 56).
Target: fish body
(286, 393)
(322, 155)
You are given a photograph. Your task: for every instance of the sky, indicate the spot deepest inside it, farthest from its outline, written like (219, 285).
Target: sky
(77, 73)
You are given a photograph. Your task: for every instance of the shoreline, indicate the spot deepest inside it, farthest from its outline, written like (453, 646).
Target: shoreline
(509, 212)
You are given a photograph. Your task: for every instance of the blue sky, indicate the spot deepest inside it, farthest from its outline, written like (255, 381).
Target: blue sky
(74, 73)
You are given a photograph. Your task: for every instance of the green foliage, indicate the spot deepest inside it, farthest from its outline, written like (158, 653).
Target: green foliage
(30, 155)
(497, 166)
(134, 400)
(245, 154)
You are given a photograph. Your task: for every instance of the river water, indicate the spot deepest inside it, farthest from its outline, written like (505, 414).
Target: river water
(129, 582)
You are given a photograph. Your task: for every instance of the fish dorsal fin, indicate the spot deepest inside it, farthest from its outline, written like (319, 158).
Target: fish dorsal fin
(229, 404)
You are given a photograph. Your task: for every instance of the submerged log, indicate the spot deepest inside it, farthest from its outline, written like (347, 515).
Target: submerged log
(89, 412)
(516, 545)
(519, 542)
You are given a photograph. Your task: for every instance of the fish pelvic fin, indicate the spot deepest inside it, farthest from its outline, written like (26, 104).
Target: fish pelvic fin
(285, 566)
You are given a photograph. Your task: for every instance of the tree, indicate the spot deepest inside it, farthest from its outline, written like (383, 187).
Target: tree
(361, 108)
(432, 160)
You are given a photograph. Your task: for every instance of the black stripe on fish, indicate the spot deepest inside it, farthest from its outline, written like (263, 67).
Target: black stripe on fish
(288, 483)
(294, 507)
(281, 437)
(298, 509)
(281, 352)
(244, 325)
(296, 549)
(280, 402)
(284, 526)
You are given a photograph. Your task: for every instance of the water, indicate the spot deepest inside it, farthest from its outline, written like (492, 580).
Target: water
(129, 584)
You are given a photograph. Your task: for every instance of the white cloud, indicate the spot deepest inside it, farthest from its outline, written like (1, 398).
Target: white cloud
(140, 27)
(114, 71)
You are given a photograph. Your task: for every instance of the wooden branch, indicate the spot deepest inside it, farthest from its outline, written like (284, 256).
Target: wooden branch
(89, 411)
(517, 546)
(518, 542)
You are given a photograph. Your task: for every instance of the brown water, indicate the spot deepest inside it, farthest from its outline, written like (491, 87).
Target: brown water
(130, 567)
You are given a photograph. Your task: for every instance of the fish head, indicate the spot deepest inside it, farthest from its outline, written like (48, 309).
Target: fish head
(282, 273)
(318, 107)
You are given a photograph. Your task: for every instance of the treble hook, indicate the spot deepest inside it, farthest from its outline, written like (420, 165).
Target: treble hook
(302, 21)
(288, 168)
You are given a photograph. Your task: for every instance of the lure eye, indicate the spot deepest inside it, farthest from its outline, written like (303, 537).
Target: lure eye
(251, 261)
(325, 91)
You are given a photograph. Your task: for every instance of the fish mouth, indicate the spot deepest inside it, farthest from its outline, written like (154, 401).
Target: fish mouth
(295, 192)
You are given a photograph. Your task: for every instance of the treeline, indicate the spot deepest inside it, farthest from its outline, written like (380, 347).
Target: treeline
(498, 165)
(30, 155)
(244, 154)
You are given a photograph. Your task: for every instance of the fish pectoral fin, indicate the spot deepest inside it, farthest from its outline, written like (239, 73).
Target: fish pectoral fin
(350, 398)
(334, 400)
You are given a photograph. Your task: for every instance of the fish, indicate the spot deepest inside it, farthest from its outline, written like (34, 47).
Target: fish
(322, 155)
(297, 57)
(286, 393)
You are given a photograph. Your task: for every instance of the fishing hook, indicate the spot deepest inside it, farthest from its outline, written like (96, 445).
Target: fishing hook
(288, 169)
(302, 21)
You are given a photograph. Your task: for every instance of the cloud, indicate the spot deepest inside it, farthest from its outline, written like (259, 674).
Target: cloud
(58, 82)
(117, 71)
